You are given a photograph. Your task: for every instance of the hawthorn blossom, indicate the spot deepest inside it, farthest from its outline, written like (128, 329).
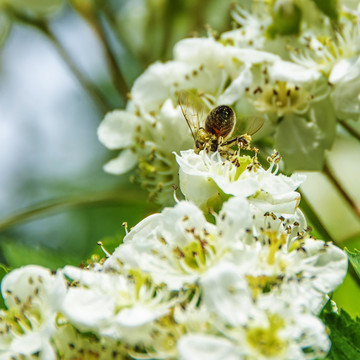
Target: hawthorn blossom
(274, 330)
(178, 245)
(70, 343)
(336, 53)
(208, 179)
(153, 126)
(33, 296)
(179, 248)
(115, 306)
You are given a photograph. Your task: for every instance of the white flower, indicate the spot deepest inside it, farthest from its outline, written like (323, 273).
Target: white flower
(287, 88)
(335, 52)
(274, 255)
(70, 343)
(178, 246)
(113, 305)
(33, 296)
(279, 260)
(153, 126)
(274, 330)
(252, 28)
(207, 179)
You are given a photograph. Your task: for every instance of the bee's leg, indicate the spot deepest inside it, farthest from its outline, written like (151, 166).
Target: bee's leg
(230, 142)
(242, 143)
(199, 145)
(210, 146)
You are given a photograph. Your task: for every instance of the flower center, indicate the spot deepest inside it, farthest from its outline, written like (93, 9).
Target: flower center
(281, 98)
(266, 340)
(195, 254)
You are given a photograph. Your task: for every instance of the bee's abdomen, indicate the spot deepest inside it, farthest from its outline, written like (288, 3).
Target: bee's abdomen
(220, 121)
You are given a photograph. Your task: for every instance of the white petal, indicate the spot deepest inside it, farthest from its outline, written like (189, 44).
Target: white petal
(136, 316)
(88, 308)
(21, 283)
(235, 215)
(123, 163)
(251, 56)
(345, 70)
(329, 267)
(236, 88)
(195, 181)
(198, 189)
(291, 72)
(244, 186)
(157, 83)
(285, 203)
(279, 184)
(198, 346)
(117, 129)
(47, 352)
(27, 344)
(191, 50)
(226, 293)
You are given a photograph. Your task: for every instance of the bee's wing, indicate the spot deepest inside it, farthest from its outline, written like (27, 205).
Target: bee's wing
(193, 109)
(255, 124)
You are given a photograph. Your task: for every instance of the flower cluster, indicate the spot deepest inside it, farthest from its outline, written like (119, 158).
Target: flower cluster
(231, 270)
(300, 82)
(246, 281)
(243, 280)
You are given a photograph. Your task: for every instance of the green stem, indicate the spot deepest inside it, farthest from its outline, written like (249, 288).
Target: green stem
(44, 28)
(123, 40)
(340, 188)
(94, 21)
(167, 18)
(50, 207)
(349, 129)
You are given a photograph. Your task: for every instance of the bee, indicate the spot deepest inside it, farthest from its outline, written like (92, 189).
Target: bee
(214, 133)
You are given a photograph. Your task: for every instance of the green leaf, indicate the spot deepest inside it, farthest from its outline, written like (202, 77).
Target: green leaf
(18, 254)
(354, 258)
(297, 144)
(302, 141)
(328, 7)
(3, 271)
(347, 295)
(344, 335)
(286, 20)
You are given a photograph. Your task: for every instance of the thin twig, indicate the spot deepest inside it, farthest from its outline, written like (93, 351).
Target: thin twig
(44, 28)
(341, 189)
(50, 207)
(349, 129)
